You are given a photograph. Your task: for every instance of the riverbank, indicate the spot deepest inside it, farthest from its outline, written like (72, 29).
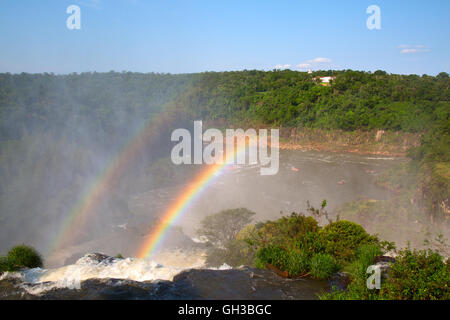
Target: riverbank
(373, 142)
(364, 142)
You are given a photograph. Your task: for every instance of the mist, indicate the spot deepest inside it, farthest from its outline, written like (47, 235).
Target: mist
(60, 134)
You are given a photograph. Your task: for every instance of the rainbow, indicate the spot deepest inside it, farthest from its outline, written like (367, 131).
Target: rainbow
(99, 187)
(80, 214)
(175, 211)
(182, 203)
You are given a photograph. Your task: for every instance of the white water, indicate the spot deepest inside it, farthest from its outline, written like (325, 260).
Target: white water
(36, 281)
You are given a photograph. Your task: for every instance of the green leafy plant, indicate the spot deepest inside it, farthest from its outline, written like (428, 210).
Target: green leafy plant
(323, 266)
(275, 255)
(23, 256)
(418, 275)
(299, 263)
(415, 275)
(5, 265)
(284, 232)
(342, 238)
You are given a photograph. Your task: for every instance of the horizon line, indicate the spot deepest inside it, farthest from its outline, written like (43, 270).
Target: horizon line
(202, 72)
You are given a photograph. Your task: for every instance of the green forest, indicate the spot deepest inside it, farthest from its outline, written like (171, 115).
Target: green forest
(354, 100)
(295, 246)
(57, 132)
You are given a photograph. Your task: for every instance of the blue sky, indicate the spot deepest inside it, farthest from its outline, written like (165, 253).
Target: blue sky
(215, 35)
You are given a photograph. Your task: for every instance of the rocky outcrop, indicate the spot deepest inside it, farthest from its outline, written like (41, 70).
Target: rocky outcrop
(339, 281)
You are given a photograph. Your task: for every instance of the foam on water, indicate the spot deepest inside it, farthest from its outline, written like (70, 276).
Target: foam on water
(36, 281)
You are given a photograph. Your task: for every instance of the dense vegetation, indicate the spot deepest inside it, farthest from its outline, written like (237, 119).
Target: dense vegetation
(111, 103)
(415, 275)
(296, 246)
(354, 100)
(19, 257)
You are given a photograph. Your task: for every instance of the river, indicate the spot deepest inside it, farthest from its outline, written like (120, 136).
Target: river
(303, 176)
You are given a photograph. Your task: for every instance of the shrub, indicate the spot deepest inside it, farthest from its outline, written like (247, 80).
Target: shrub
(295, 262)
(297, 244)
(342, 238)
(323, 266)
(5, 265)
(286, 231)
(365, 256)
(23, 256)
(418, 275)
(414, 275)
(312, 243)
(357, 289)
(276, 256)
(298, 263)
